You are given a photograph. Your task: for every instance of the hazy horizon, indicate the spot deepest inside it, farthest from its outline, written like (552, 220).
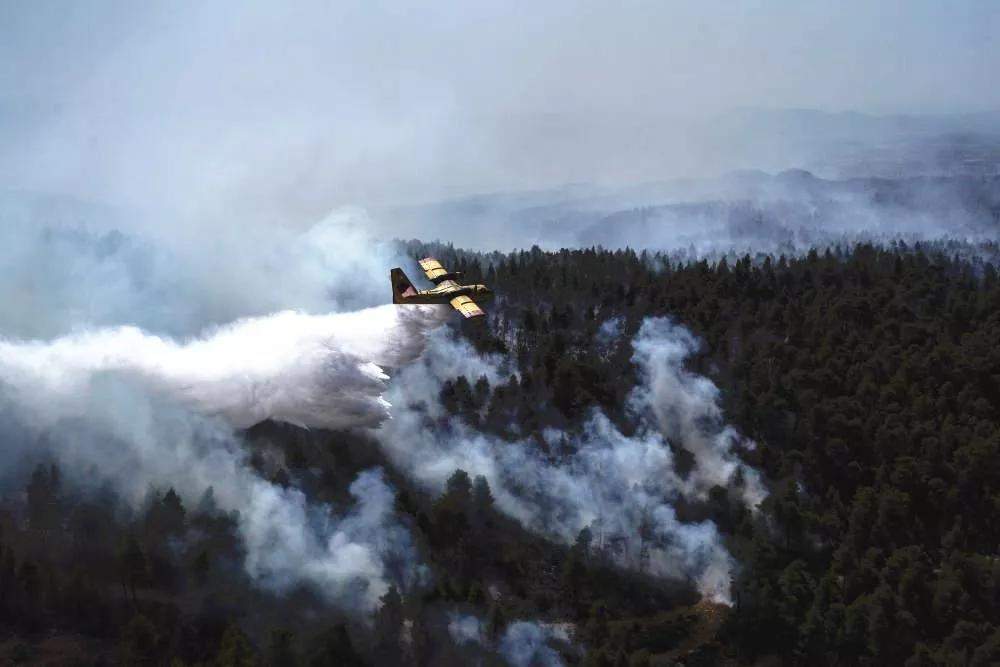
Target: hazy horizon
(278, 114)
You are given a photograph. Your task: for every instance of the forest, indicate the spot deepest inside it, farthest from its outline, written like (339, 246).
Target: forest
(867, 375)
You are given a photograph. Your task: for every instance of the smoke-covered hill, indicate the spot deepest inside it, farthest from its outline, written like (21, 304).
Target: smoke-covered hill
(634, 457)
(749, 210)
(735, 402)
(636, 454)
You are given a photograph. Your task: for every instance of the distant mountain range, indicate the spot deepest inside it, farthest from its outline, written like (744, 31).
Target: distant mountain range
(791, 173)
(746, 208)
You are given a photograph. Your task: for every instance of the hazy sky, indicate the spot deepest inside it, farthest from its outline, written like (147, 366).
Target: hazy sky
(283, 110)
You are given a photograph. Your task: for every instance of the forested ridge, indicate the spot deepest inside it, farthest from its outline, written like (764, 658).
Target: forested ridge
(869, 378)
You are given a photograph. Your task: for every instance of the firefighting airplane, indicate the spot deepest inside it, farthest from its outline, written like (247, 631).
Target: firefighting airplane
(445, 289)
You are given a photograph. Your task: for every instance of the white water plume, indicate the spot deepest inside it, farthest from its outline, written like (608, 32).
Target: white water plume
(144, 410)
(311, 370)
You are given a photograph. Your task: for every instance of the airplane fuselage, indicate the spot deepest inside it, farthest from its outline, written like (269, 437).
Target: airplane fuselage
(448, 290)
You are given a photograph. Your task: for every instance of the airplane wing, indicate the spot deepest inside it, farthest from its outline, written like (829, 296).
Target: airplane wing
(435, 272)
(467, 307)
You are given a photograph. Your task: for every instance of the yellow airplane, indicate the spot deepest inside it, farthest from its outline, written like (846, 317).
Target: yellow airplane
(445, 289)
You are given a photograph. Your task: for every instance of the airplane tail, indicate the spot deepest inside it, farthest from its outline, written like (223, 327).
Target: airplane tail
(401, 286)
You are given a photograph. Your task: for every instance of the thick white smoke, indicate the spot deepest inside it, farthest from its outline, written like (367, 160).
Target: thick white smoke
(69, 265)
(310, 370)
(621, 487)
(132, 345)
(327, 370)
(685, 409)
(146, 410)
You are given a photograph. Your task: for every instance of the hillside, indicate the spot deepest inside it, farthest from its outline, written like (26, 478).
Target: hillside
(868, 378)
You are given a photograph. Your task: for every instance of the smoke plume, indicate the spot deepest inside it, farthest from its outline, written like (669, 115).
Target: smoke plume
(523, 644)
(170, 391)
(621, 487)
(526, 643)
(70, 265)
(309, 370)
(157, 405)
(134, 408)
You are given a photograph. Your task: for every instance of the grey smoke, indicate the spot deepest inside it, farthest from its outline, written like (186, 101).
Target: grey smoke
(610, 332)
(524, 643)
(158, 406)
(685, 408)
(327, 370)
(228, 114)
(68, 265)
(161, 169)
(619, 486)
(748, 211)
(113, 431)
(465, 628)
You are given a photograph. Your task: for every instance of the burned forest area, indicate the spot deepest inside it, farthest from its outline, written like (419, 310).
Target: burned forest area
(866, 376)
